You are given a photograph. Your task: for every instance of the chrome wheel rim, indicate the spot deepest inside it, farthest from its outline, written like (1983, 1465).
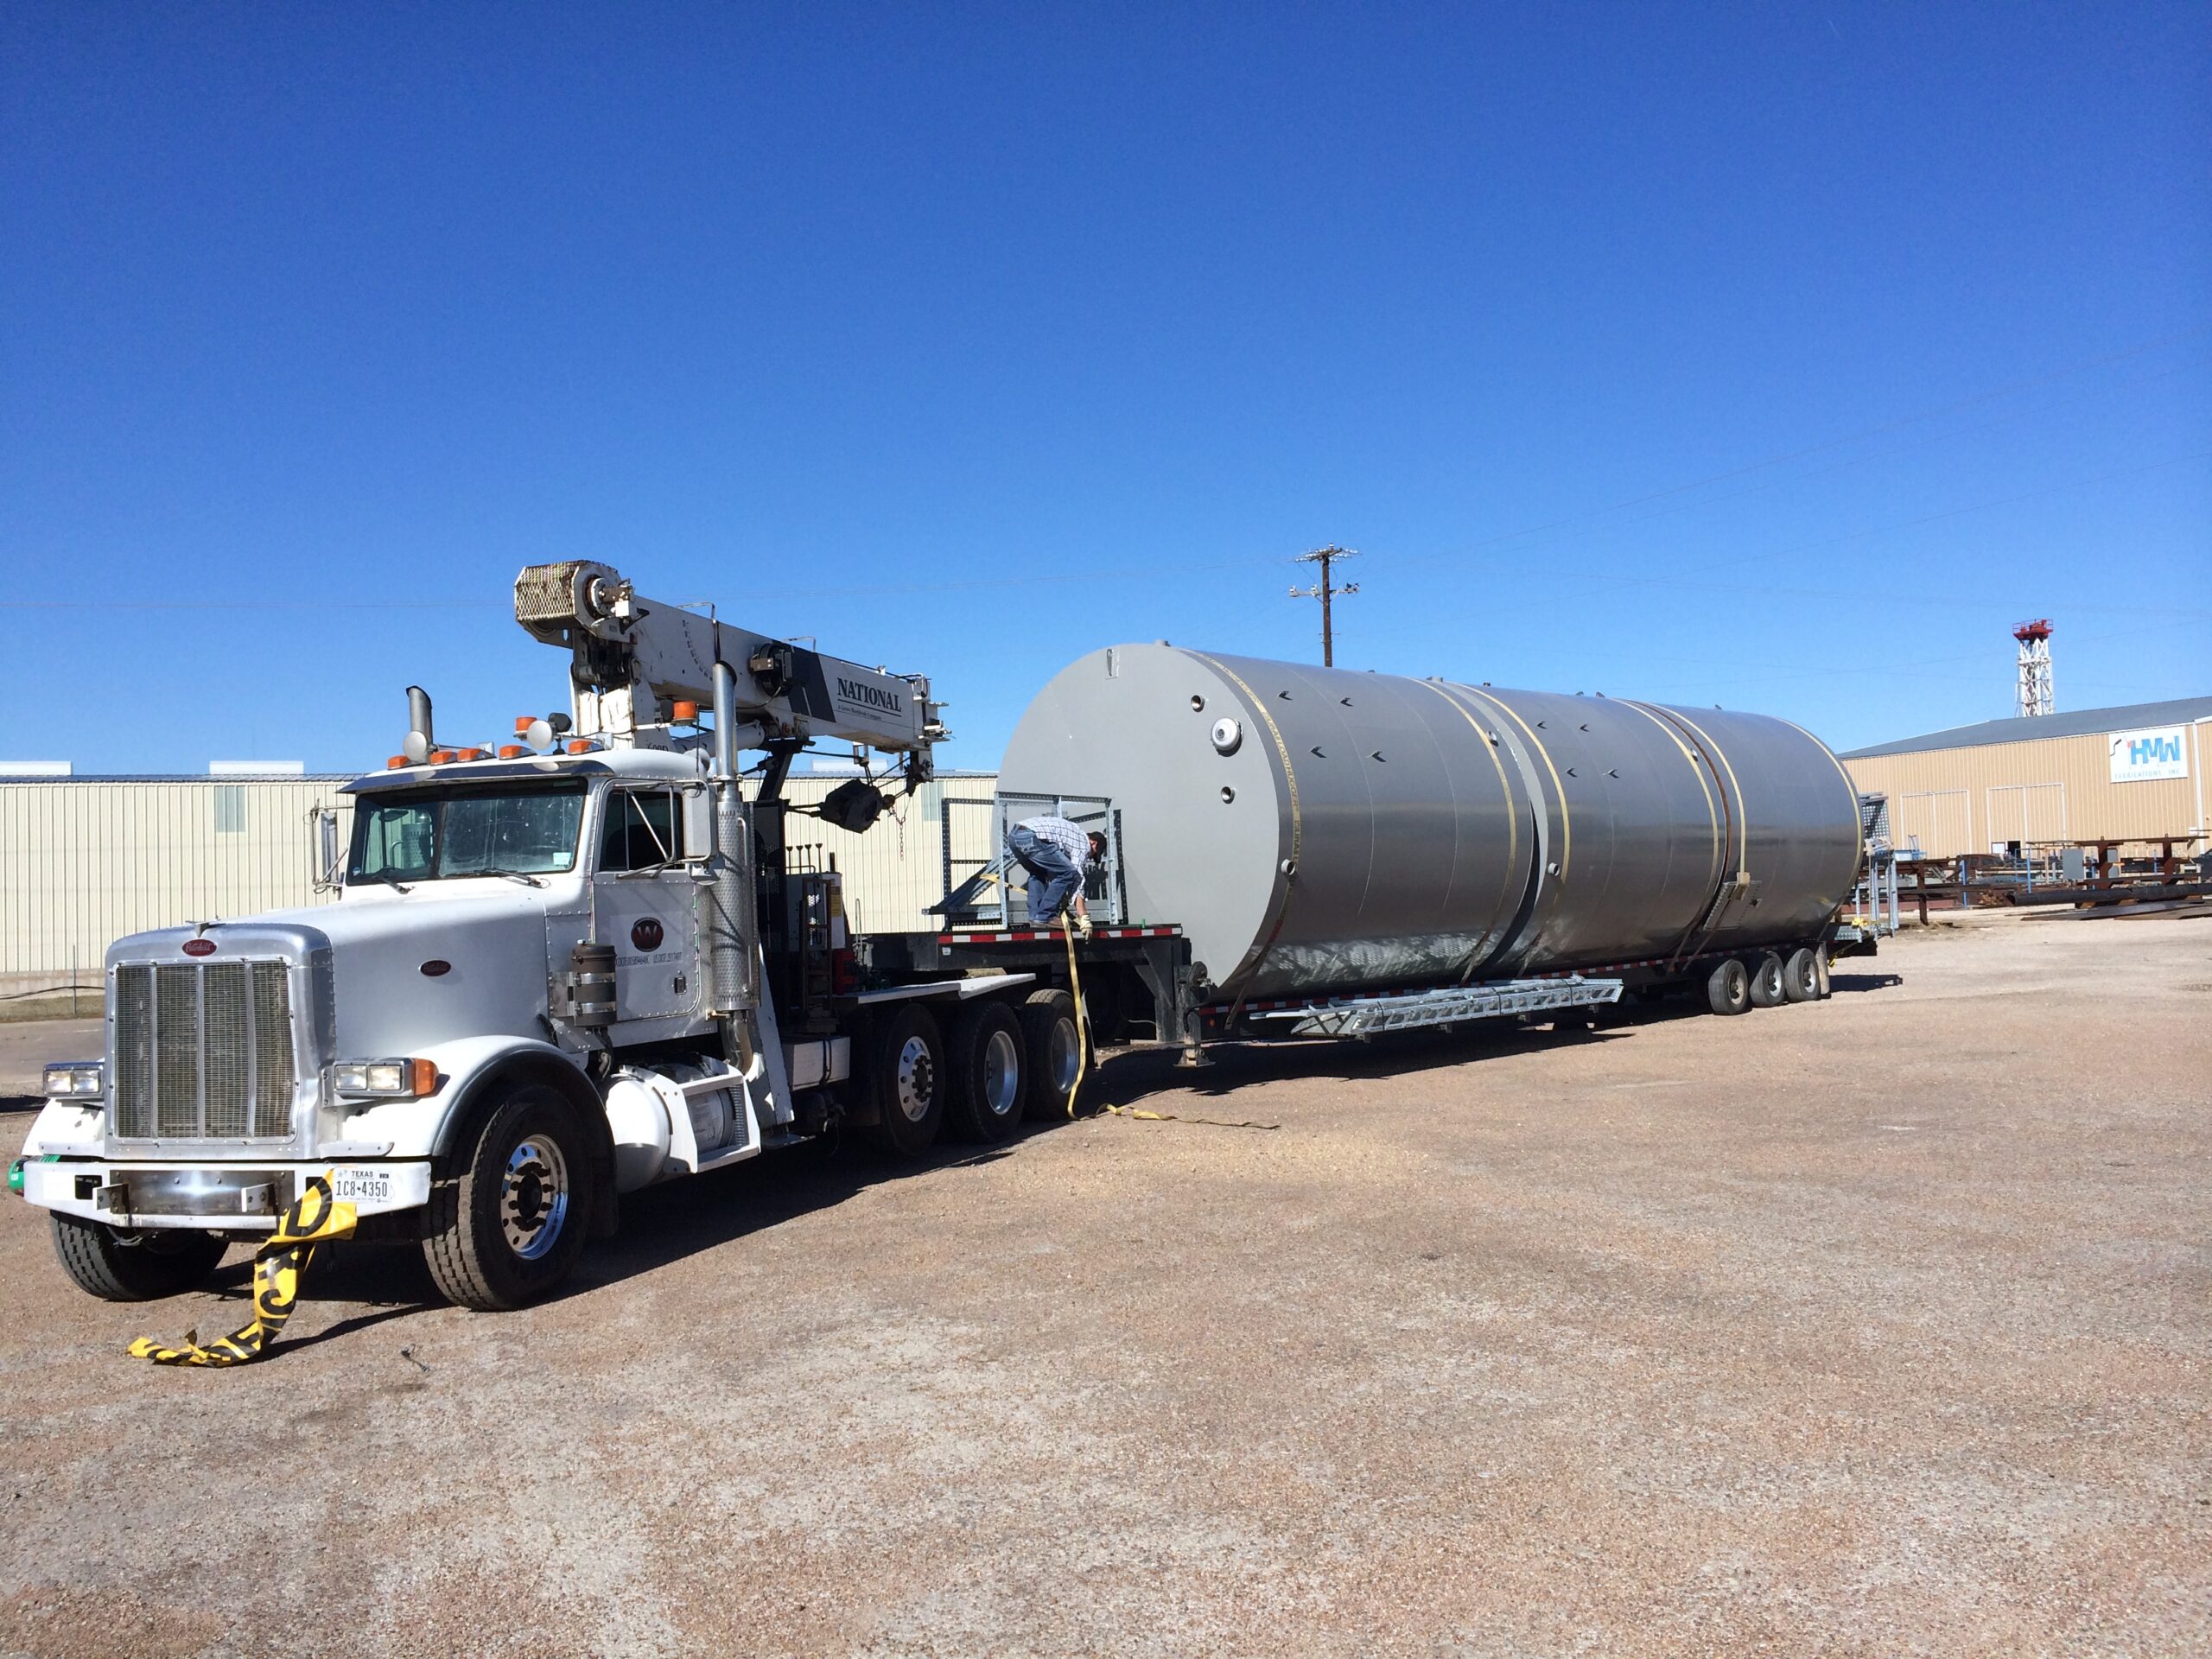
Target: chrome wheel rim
(534, 1198)
(1002, 1074)
(916, 1080)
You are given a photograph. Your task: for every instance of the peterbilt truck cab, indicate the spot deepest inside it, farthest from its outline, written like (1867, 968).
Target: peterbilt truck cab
(554, 975)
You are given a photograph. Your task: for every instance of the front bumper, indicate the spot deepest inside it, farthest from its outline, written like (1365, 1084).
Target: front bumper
(229, 1196)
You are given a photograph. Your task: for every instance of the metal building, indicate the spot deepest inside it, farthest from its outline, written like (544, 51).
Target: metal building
(85, 860)
(2134, 772)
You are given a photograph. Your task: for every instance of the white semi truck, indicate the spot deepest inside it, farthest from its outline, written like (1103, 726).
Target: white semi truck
(557, 974)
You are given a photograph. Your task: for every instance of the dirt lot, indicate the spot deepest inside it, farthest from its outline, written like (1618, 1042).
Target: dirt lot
(1875, 1326)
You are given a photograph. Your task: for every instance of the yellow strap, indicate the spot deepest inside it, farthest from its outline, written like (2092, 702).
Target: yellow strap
(1083, 1055)
(1082, 1021)
(313, 1218)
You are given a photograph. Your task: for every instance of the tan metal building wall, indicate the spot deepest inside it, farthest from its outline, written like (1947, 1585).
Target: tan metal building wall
(85, 860)
(896, 871)
(1971, 798)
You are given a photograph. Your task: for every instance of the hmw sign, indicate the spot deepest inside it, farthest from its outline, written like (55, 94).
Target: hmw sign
(2139, 756)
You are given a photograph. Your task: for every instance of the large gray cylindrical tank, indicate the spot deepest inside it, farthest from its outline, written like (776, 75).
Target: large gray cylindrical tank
(1318, 829)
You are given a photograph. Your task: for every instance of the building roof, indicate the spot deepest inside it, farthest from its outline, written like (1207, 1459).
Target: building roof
(2080, 722)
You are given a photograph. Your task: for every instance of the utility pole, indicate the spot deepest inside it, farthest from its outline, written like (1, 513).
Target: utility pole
(1322, 591)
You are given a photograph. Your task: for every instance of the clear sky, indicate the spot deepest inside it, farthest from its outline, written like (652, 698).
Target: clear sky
(1781, 356)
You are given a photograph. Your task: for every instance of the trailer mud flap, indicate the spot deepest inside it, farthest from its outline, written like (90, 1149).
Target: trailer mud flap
(313, 1218)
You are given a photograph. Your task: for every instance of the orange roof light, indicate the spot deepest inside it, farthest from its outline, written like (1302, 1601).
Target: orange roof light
(439, 757)
(522, 723)
(511, 751)
(687, 712)
(579, 746)
(472, 754)
(396, 761)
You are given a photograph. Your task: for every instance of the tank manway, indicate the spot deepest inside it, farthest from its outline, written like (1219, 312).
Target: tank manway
(1318, 829)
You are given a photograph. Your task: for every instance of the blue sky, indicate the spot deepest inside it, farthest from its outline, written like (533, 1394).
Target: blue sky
(1773, 356)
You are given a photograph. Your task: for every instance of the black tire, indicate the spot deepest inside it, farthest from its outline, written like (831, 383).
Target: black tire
(141, 1268)
(1767, 988)
(988, 1080)
(903, 1073)
(1801, 976)
(511, 1204)
(1728, 988)
(1050, 1049)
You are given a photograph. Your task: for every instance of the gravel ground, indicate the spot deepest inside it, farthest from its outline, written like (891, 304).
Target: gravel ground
(1877, 1327)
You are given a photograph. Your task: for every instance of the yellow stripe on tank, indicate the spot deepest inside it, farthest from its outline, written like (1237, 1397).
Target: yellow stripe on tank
(1566, 818)
(1512, 818)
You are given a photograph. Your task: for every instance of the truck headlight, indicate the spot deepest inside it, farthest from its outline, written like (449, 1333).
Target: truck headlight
(76, 1080)
(395, 1079)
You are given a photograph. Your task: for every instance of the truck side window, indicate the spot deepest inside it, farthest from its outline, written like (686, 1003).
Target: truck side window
(643, 830)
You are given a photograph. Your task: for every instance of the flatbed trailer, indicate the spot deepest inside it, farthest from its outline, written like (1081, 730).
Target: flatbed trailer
(1141, 990)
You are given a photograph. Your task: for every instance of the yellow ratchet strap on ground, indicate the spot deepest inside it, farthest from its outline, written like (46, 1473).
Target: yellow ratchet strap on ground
(314, 1218)
(1082, 1059)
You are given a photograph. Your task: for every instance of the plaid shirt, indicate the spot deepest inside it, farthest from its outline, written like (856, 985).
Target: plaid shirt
(1059, 832)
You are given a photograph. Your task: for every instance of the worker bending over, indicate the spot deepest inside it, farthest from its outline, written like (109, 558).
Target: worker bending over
(1056, 854)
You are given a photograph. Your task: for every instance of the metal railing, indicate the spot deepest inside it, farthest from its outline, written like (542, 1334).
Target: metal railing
(1105, 888)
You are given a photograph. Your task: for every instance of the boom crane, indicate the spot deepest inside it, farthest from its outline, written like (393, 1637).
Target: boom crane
(632, 657)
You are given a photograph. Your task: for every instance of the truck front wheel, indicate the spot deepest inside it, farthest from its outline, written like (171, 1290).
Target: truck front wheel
(138, 1268)
(507, 1205)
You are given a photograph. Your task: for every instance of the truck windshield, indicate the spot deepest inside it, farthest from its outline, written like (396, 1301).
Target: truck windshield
(430, 835)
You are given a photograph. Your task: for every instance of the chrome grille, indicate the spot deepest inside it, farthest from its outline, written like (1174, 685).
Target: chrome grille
(203, 1051)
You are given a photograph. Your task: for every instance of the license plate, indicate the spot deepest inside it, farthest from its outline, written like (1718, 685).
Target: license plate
(361, 1185)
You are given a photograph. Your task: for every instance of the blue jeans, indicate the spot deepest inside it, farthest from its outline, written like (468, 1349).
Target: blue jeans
(1053, 877)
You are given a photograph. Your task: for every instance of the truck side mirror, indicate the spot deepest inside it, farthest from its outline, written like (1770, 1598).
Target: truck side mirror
(325, 848)
(698, 808)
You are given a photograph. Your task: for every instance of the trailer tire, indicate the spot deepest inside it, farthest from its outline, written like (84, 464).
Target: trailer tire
(1801, 976)
(903, 1076)
(1728, 987)
(1768, 989)
(1052, 1048)
(143, 1268)
(988, 1080)
(509, 1204)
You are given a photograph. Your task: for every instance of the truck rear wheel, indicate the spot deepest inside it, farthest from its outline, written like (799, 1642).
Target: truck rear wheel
(1801, 976)
(1767, 988)
(985, 1100)
(1728, 988)
(1054, 1048)
(137, 1267)
(904, 1079)
(508, 1204)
